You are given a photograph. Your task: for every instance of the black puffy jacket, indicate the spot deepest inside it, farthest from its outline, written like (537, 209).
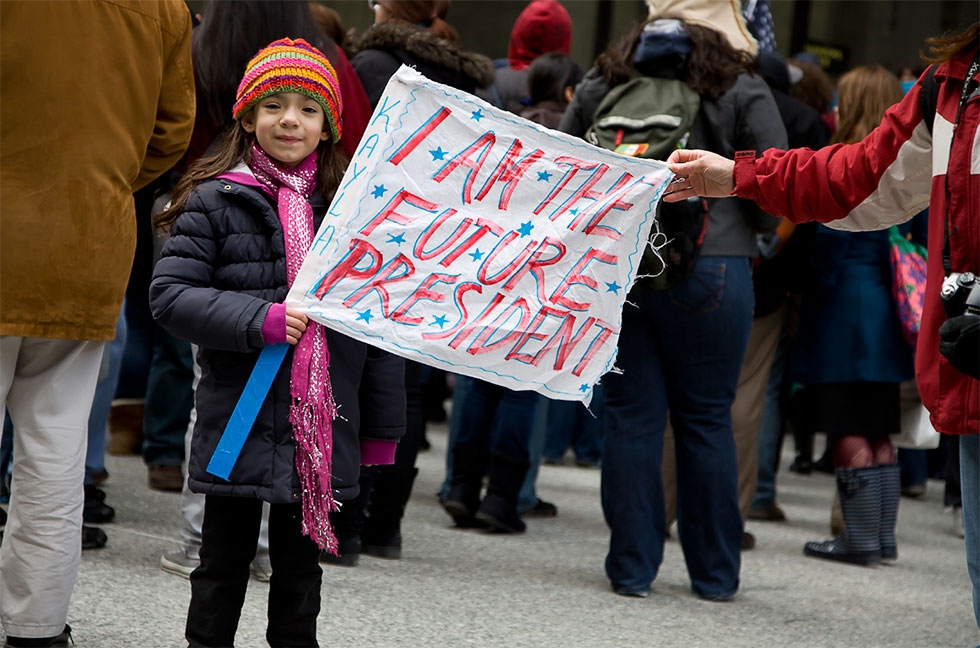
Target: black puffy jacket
(225, 261)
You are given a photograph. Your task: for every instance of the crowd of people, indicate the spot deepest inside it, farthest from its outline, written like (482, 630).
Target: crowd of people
(215, 170)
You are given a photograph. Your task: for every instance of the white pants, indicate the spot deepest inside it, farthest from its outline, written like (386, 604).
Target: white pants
(192, 504)
(47, 386)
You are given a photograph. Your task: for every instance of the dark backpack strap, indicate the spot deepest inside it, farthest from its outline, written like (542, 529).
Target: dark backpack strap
(928, 96)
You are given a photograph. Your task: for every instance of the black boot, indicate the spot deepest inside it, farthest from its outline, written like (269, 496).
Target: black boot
(95, 510)
(348, 522)
(860, 502)
(891, 493)
(382, 535)
(499, 507)
(469, 466)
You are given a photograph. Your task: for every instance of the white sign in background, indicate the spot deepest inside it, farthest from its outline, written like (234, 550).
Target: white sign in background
(470, 239)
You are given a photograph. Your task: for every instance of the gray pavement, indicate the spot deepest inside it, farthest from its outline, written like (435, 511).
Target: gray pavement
(547, 587)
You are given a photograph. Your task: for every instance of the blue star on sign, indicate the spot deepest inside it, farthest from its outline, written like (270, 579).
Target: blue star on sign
(613, 287)
(365, 316)
(439, 319)
(397, 240)
(544, 176)
(573, 212)
(438, 154)
(379, 190)
(583, 388)
(476, 254)
(525, 229)
(477, 115)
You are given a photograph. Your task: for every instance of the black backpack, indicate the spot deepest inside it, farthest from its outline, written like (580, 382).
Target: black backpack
(650, 117)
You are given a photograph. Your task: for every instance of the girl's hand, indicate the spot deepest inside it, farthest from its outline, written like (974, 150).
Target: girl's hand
(699, 173)
(296, 322)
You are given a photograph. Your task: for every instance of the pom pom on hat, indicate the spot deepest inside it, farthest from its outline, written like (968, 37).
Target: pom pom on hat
(288, 65)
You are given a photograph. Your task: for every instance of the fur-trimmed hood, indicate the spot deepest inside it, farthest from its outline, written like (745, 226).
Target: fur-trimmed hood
(435, 57)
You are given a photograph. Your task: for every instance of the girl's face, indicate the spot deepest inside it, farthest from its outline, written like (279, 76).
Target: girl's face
(288, 126)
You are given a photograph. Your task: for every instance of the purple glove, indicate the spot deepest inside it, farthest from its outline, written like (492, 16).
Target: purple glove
(274, 324)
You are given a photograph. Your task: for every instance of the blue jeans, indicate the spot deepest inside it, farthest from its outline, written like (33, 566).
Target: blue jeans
(105, 389)
(572, 424)
(169, 399)
(970, 484)
(679, 349)
(771, 430)
(494, 417)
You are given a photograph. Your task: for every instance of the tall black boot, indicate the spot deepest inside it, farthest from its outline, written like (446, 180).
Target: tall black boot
(499, 507)
(382, 534)
(860, 502)
(891, 493)
(469, 467)
(348, 523)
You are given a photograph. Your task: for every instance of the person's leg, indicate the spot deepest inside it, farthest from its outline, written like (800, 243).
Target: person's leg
(47, 386)
(750, 400)
(169, 400)
(913, 472)
(891, 493)
(460, 392)
(631, 486)
(105, 389)
(218, 585)
(510, 456)
(559, 427)
(528, 500)
(294, 590)
(587, 442)
(476, 402)
(711, 313)
(770, 439)
(970, 482)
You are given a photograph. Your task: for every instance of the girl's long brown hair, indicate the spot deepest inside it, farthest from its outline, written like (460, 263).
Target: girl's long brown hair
(236, 147)
(712, 67)
(863, 96)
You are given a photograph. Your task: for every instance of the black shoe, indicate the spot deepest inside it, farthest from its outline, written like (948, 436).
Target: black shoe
(93, 538)
(95, 510)
(542, 509)
(500, 515)
(825, 464)
(41, 642)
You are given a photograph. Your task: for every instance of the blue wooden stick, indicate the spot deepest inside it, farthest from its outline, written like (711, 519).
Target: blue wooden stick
(243, 417)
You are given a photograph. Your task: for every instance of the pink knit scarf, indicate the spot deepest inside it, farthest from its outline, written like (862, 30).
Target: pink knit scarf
(312, 408)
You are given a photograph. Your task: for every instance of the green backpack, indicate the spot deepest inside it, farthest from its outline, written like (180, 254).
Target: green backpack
(650, 117)
(645, 117)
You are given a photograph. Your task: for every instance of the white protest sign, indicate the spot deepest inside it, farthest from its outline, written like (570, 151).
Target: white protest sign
(467, 238)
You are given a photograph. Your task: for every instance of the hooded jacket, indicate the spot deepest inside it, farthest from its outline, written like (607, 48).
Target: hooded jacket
(225, 261)
(383, 48)
(886, 179)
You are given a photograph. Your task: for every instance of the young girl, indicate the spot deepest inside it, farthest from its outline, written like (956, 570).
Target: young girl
(241, 222)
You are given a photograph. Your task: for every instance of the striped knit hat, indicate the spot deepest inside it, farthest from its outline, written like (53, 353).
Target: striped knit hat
(288, 65)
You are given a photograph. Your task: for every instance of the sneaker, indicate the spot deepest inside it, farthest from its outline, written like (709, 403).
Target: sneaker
(261, 568)
(179, 563)
(958, 522)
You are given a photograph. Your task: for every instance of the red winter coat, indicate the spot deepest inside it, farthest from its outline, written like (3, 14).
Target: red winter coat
(887, 178)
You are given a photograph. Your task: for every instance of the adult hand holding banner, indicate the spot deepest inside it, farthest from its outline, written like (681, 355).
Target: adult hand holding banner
(467, 238)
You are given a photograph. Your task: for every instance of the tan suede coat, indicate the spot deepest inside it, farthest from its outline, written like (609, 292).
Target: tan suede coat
(97, 100)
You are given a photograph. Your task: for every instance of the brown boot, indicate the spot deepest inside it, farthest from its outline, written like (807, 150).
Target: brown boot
(126, 427)
(165, 478)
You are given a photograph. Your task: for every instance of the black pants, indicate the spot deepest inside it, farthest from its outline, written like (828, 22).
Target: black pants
(228, 538)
